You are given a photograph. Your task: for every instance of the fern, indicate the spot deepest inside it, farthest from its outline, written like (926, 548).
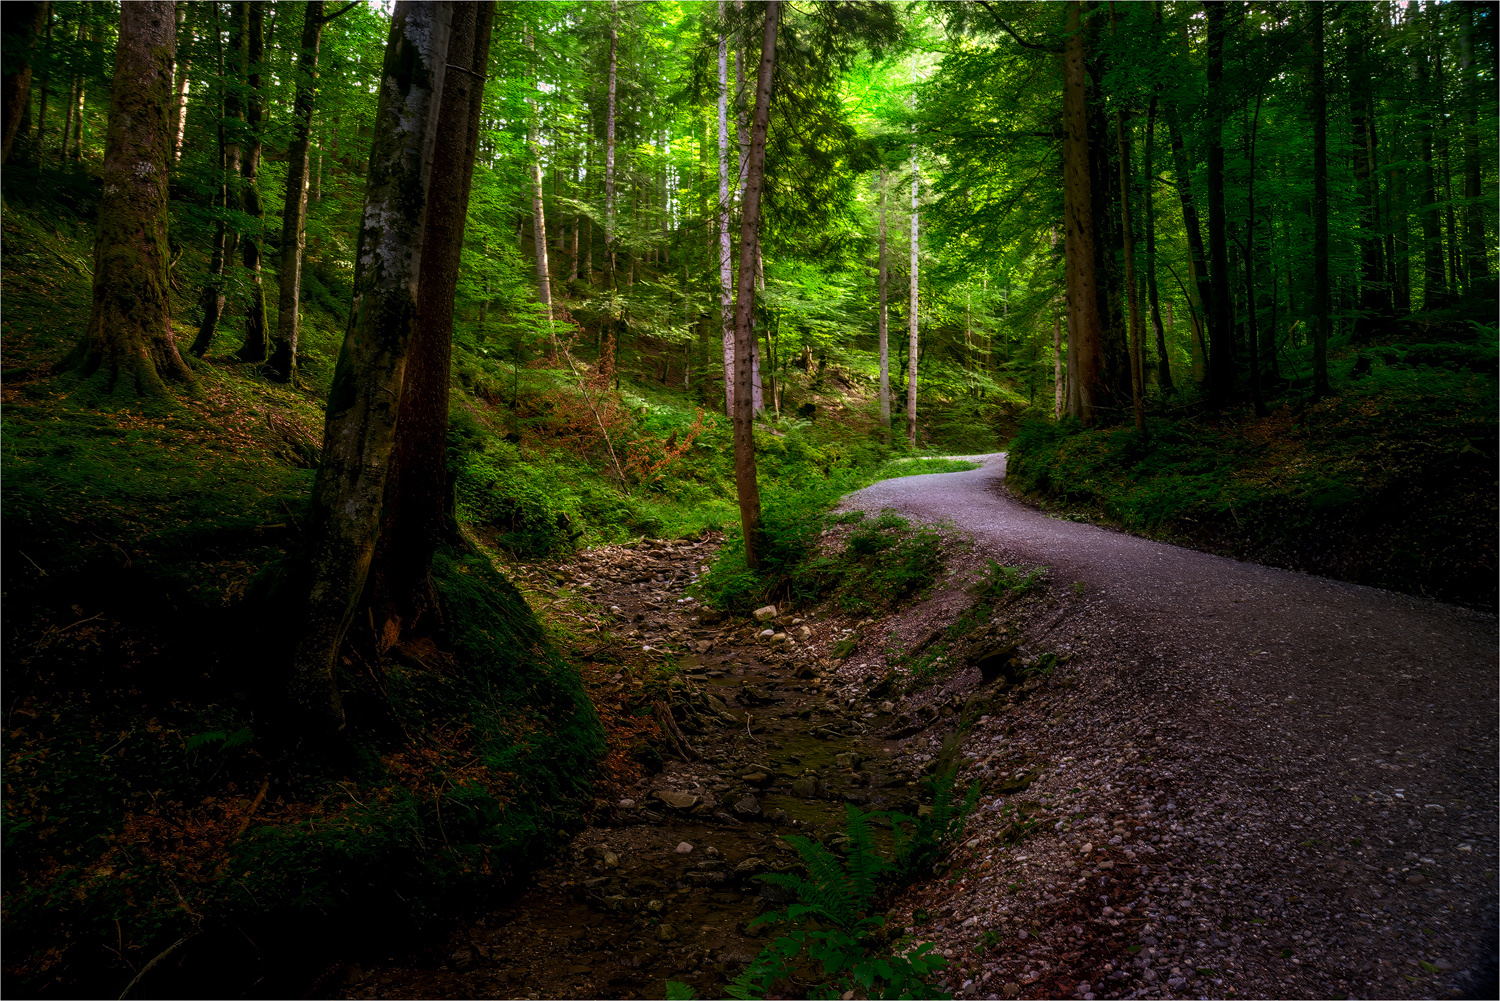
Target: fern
(918, 851)
(679, 991)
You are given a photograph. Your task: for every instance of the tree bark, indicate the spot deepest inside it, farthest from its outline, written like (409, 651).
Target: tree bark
(1434, 280)
(744, 331)
(913, 316)
(884, 322)
(539, 216)
(254, 348)
(1163, 364)
(1057, 366)
(1252, 318)
(1220, 330)
(726, 281)
(1476, 253)
(178, 121)
(128, 347)
(15, 88)
(364, 401)
(417, 513)
(1319, 101)
(1085, 338)
(211, 299)
(1137, 370)
(283, 361)
(1374, 296)
(609, 148)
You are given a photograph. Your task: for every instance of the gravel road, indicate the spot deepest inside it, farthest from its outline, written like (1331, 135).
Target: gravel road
(1264, 783)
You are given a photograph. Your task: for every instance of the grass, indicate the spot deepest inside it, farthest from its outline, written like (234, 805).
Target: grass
(1390, 482)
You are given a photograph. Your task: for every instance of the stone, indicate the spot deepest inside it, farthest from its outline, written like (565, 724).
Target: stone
(748, 806)
(683, 848)
(805, 787)
(887, 707)
(656, 906)
(756, 778)
(627, 804)
(676, 800)
(461, 959)
(765, 614)
(609, 858)
(666, 933)
(751, 867)
(1177, 983)
(849, 759)
(779, 816)
(804, 634)
(1011, 989)
(765, 634)
(778, 637)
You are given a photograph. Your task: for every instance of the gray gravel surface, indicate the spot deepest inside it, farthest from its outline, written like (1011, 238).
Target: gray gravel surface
(1250, 782)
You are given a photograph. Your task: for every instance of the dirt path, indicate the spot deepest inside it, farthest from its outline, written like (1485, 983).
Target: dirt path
(1236, 781)
(1290, 781)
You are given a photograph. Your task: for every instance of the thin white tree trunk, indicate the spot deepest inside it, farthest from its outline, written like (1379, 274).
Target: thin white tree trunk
(538, 208)
(609, 144)
(911, 370)
(885, 342)
(726, 305)
(1057, 366)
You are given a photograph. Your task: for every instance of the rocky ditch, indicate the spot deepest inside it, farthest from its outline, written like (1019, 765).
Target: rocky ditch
(727, 735)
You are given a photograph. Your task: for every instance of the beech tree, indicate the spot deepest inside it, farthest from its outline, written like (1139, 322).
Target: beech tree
(128, 348)
(359, 430)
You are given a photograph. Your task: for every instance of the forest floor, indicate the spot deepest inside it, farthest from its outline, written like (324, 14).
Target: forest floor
(1194, 796)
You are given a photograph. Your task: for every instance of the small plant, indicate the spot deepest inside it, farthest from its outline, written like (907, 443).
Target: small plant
(918, 850)
(999, 582)
(834, 938)
(679, 991)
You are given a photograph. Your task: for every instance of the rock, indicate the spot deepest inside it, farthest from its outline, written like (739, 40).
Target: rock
(804, 634)
(1177, 983)
(666, 933)
(756, 778)
(751, 867)
(887, 707)
(1011, 989)
(765, 634)
(610, 859)
(1416, 877)
(765, 614)
(779, 816)
(703, 646)
(883, 686)
(806, 787)
(461, 959)
(656, 906)
(676, 800)
(748, 806)
(627, 804)
(778, 637)
(849, 759)
(683, 848)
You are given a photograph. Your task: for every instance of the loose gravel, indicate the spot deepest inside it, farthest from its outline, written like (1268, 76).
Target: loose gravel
(1240, 782)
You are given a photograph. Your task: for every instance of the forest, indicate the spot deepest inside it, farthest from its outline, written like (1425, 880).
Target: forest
(361, 361)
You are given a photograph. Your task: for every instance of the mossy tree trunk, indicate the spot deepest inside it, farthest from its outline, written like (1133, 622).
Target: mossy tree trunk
(1220, 328)
(283, 362)
(24, 21)
(254, 348)
(359, 429)
(128, 348)
(1085, 336)
(417, 512)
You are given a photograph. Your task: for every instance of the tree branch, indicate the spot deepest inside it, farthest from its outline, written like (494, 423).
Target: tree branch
(1011, 32)
(342, 10)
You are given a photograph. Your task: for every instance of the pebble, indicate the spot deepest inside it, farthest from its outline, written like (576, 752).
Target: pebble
(684, 848)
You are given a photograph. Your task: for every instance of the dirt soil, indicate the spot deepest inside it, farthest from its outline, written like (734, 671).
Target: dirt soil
(1200, 778)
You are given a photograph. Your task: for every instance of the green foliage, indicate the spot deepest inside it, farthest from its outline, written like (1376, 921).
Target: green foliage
(831, 935)
(920, 847)
(1389, 483)
(679, 991)
(1000, 582)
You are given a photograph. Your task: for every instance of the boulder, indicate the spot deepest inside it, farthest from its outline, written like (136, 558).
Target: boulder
(676, 800)
(765, 614)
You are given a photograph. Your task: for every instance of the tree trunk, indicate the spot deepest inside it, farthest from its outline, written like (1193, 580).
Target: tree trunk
(1057, 366)
(417, 512)
(609, 149)
(913, 316)
(744, 332)
(254, 348)
(1137, 368)
(211, 299)
(15, 89)
(884, 322)
(1319, 101)
(1251, 317)
(359, 429)
(283, 362)
(539, 215)
(41, 118)
(128, 347)
(1164, 366)
(1220, 331)
(1476, 253)
(726, 306)
(1434, 283)
(178, 121)
(1374, 297)
(1085, 338)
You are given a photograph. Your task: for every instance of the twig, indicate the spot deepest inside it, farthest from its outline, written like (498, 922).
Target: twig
(684, 748)
(33, 563)
(255, 805)
(59, 632)
(151, 965)
(747, 725)
(583, 388)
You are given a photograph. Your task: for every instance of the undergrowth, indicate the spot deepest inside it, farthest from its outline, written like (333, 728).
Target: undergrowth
(1391, 482)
